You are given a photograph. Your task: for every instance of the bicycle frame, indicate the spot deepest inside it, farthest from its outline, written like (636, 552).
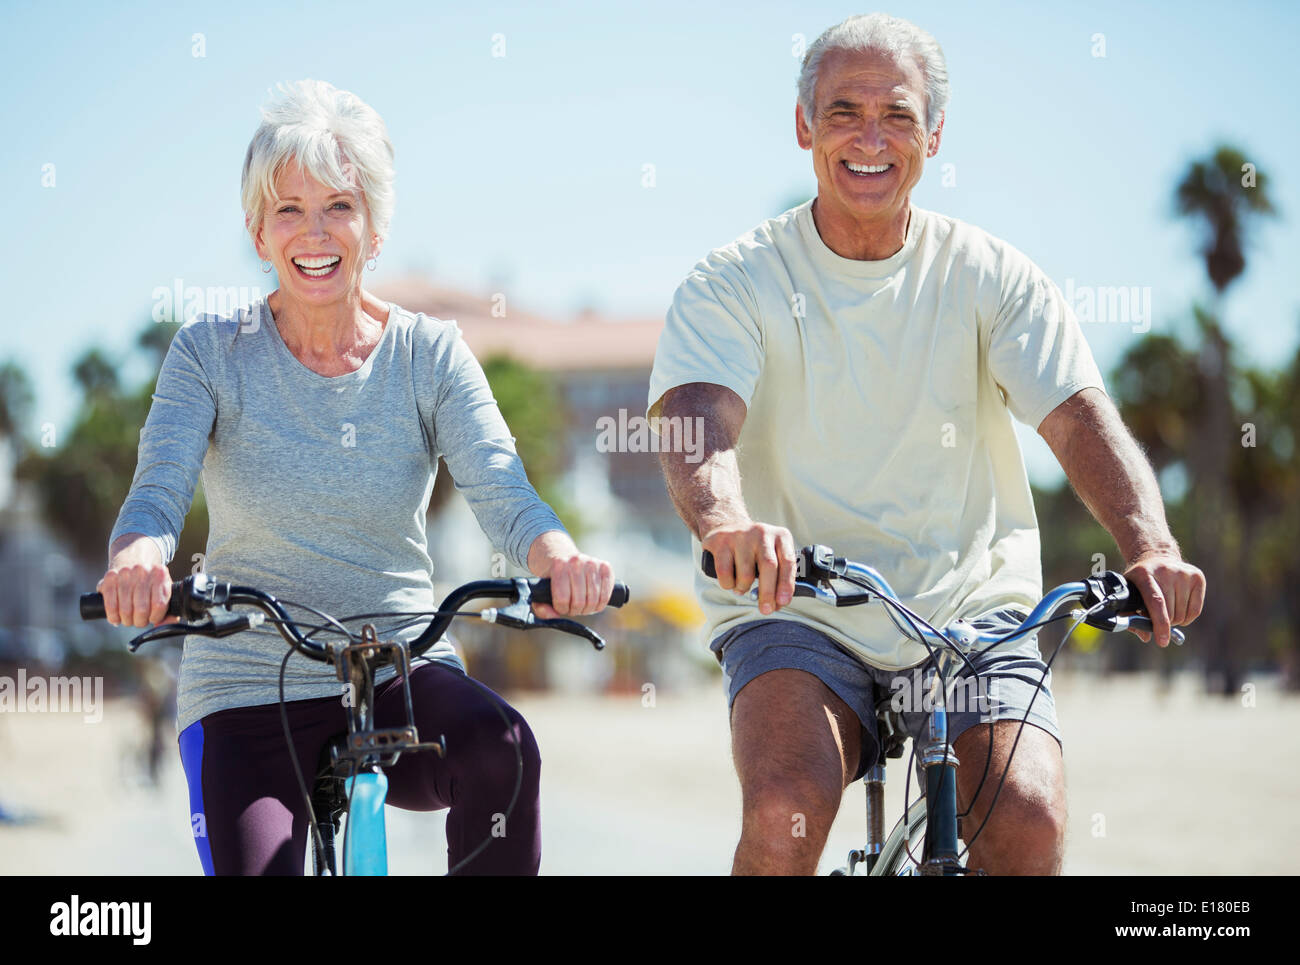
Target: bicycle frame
(938, 762)
(360, 761)
(1103, 596)
(352, 776)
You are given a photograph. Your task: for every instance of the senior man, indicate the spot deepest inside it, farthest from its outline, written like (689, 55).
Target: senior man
(856, 362)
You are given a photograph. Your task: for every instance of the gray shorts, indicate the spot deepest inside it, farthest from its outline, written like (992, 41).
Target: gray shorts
(1009, 676)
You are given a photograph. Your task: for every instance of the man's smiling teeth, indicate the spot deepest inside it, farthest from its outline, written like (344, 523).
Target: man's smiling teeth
(867, 168)
(317, 267)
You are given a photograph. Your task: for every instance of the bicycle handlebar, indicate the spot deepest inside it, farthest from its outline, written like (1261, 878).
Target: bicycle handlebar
(542, 592)
(92, 604)
(1106, 596)
(800, 588)
(194, 596)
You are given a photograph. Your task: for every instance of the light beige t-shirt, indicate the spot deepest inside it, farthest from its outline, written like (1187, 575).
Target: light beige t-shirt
(880, 397)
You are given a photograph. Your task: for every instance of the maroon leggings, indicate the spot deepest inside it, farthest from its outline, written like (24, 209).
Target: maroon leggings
(247, 808)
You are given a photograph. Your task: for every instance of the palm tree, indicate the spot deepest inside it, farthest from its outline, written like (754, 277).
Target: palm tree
(1224, 193)
(15, 409)
(83, 481)
(15, 400)
(1223, 190)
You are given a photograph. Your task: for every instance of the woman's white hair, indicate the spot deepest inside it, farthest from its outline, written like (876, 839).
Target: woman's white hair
(882, 33)
(327, 131)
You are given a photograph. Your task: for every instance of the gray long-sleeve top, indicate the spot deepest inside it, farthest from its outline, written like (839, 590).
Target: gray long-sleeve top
(317, 486)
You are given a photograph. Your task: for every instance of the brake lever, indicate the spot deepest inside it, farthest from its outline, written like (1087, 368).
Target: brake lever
(525, 619)
(1117, 622)
(815, 591)
(215, 626)
(574, 627)
(517, 615)
(1114, 592)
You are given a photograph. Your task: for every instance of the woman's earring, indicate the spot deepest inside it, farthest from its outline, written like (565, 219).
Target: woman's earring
(370, 265)
(266, 266)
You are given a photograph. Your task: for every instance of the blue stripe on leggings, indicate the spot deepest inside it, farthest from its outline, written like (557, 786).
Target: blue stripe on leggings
(191, 741)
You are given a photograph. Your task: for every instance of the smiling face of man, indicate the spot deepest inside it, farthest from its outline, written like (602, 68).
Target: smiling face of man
(869, 142)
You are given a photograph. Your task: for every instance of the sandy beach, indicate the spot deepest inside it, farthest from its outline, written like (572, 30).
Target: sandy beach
(1172, 783)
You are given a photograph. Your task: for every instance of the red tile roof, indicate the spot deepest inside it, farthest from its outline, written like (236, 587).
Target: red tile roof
(583, 343)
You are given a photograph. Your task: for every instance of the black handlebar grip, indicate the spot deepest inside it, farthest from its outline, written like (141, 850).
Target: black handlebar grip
(706, 564)
(1143, 622)
(1135, 600)
(92, 604)
(711, 571)
(541, 592)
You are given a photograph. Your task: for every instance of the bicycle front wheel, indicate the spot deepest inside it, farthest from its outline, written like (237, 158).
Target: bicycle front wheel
(909, 832)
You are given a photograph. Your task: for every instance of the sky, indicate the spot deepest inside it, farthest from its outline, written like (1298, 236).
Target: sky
(587, 155)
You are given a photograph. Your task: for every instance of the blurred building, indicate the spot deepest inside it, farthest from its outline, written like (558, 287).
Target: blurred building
(40, 581)
(601, 367)
(601, 370)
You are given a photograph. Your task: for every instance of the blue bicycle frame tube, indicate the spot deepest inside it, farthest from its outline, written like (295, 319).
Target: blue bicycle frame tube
(366, 845)
(1046, 607)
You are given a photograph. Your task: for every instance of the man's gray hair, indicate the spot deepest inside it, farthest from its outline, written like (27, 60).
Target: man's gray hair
(325, 130)
(882, 33)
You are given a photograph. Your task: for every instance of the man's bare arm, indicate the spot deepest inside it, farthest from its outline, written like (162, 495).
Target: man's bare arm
(1112, 476)
(706, 493)
(705, 489)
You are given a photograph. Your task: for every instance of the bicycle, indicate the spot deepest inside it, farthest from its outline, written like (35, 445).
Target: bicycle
(350, 775)
(931, 824)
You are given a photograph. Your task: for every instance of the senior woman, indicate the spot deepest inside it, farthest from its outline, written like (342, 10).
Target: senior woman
(316, 416)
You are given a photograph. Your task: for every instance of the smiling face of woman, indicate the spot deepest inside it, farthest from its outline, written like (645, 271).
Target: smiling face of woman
(317, 237)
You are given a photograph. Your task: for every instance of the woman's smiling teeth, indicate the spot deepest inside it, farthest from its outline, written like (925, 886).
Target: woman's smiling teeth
(317, 267)
(863, 169)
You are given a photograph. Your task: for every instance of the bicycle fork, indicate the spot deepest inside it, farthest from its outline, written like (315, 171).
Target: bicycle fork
(939, 761)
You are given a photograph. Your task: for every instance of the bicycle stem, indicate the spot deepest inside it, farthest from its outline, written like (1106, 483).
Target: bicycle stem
(939, 761)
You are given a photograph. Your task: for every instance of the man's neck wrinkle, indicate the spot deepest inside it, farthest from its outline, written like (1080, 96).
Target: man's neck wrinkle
(864, 241)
